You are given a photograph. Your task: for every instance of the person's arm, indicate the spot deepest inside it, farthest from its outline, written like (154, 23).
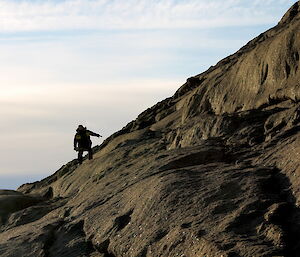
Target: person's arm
(91, 133)
(75, 141)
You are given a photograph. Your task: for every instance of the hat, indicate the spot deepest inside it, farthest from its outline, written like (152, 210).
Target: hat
(80, 127)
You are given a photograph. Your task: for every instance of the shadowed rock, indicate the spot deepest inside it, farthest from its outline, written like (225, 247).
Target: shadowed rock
(12, 201)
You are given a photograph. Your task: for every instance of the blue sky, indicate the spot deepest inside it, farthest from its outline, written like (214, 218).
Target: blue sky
(102, 62)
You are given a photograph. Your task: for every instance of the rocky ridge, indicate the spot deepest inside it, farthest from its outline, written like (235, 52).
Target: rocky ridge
(211, 171)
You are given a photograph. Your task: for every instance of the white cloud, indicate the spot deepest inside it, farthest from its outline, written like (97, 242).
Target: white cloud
(106, 58)
(41, 15)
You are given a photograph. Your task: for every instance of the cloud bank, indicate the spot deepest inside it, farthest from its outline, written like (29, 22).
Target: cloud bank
(40, 15)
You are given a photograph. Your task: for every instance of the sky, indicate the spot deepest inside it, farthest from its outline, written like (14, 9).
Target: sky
(102, 62)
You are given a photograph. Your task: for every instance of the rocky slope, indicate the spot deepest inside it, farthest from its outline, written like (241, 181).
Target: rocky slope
(212, 171)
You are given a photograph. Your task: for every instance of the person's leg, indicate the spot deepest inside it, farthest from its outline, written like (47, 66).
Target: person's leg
(90, 154)
(80, 153)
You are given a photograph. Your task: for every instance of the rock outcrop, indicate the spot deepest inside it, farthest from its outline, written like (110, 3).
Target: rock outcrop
(211, 171)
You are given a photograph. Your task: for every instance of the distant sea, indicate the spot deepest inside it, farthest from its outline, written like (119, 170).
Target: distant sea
(13, 182)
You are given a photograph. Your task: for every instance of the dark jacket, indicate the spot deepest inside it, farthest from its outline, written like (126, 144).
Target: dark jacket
(82, 139)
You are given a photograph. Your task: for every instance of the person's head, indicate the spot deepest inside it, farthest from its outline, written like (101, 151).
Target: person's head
(80, 128)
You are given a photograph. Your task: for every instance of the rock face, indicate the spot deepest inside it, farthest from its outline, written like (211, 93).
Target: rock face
(212, 171)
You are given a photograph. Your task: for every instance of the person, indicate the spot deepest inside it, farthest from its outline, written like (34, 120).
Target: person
(82, 142)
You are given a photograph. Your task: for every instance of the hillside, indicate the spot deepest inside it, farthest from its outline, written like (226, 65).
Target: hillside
(211, 171)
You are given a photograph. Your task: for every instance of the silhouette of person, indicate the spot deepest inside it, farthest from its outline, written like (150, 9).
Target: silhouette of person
(82, 142)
